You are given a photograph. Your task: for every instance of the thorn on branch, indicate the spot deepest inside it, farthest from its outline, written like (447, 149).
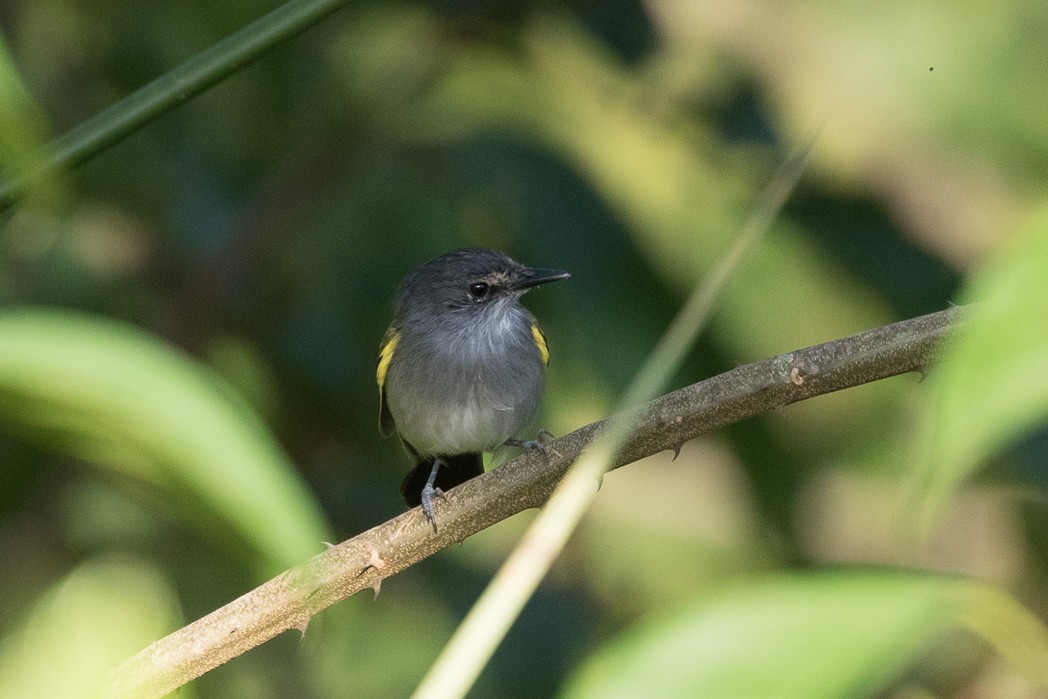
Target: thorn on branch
(374, 561)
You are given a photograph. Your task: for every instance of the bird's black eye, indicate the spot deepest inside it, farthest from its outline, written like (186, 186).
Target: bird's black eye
(479, 290)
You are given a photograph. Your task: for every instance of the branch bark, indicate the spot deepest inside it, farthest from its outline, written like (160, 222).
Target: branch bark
(291, 599)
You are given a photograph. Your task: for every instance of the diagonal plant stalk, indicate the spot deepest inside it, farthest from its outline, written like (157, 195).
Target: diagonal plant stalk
(171, 89)
(487, 623)
(290, 600)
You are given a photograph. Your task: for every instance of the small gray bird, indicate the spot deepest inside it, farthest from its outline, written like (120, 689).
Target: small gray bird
(461, 369)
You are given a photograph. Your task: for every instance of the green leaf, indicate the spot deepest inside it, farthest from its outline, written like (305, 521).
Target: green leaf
(808, 636)
(991, 386)
(23, 130)
(101, 613)
(110, 394)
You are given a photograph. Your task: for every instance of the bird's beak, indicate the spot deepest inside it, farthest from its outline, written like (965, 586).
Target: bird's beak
(534, 277)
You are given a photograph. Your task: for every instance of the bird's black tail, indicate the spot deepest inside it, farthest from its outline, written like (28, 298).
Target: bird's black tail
(454, 470)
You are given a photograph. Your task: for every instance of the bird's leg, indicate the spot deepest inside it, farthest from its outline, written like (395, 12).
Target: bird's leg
(429, 490)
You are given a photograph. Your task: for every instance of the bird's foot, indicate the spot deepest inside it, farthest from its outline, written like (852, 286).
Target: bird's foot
(537, 444)
(429, 492)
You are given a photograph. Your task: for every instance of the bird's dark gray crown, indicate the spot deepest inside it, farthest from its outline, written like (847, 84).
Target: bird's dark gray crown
(444, 283)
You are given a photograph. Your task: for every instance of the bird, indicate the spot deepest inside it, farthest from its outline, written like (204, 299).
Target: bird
(461, 369)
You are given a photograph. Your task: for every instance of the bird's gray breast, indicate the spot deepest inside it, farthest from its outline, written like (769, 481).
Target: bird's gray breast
(468, 388)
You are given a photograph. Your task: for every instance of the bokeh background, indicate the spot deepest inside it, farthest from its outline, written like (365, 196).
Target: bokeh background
(187, 386)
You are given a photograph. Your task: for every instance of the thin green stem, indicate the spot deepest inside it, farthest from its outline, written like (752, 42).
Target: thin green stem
(168, 91)
(487, 623)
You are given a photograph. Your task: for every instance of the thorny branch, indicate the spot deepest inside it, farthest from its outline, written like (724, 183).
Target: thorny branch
(291, 599)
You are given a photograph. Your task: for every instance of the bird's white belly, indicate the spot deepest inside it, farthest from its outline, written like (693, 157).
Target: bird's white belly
(457, 428)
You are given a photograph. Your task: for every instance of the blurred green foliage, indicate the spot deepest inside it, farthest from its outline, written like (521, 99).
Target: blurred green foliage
(187, 401)
(993, 387)
(819, 636)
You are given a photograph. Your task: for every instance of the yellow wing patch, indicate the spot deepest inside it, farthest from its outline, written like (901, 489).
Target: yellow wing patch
(540, 342)
(385, 354)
